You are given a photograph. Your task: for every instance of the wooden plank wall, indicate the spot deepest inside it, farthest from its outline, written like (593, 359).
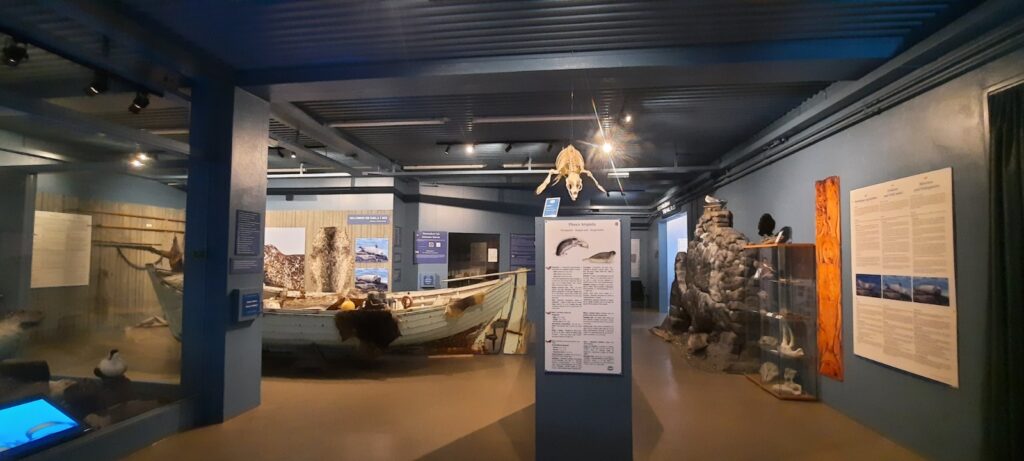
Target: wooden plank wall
(313, 220)
(828, 236)
(117, 295)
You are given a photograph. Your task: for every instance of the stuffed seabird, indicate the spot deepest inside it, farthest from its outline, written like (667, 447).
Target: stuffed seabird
(111, 367)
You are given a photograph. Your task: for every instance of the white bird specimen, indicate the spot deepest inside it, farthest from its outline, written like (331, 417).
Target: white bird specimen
(111, 367)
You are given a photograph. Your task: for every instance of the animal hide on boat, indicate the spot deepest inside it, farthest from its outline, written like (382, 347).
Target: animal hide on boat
(458, 306)
(331, 261)
(375, 327)
(281, 270)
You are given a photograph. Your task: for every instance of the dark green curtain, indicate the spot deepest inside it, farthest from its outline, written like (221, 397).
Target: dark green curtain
(1005, 386)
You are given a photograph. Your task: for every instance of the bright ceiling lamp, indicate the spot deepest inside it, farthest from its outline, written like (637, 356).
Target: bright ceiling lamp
(387, 123)
(470, 149)
(533, 118)
(475, 166)
(607, 147)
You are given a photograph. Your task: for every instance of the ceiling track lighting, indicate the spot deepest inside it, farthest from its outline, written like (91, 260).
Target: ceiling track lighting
(628, 118)
(15, 52)
(447, 148)
(99, 85)
(140, 102)
(508, 148)
(470, 149)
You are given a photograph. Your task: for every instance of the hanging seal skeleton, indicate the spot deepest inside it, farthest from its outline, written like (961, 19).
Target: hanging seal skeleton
(569, 164)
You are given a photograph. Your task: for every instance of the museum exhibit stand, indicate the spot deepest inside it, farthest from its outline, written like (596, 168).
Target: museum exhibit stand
(787, 304)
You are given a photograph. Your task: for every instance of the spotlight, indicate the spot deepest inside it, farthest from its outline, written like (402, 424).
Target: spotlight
(136, 163)
(550, 144)
(447, 148)
(141, 156)
(100, 84)
(15, 52)
(607, 147)
(140, 102)
(279, 153)
(469, 149)
(293, 155)
(628, 119)
(508, 147)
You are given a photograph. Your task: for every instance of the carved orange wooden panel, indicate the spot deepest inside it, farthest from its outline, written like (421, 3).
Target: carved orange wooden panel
(828, 244)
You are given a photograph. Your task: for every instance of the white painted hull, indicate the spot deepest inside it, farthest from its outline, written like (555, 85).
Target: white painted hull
(426, 321)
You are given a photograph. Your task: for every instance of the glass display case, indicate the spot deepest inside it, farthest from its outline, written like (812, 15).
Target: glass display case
(788, 307)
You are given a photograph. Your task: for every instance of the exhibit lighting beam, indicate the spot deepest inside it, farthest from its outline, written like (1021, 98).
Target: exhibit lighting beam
(387, 123)
(67, 119)
(533, 118)
(444, 167)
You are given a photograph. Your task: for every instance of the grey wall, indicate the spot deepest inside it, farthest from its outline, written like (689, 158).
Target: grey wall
(945, 127)
(112, 187)
(17, 199)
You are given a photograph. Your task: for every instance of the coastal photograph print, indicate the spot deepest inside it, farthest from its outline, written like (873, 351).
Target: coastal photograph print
(371, 250)
(896, 287)
(869, 285)
(931, 290)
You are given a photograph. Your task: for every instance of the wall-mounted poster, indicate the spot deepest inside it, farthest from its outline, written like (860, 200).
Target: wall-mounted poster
(284, 257)
(522, 254)
(904, 303)
(431, 247)
(371, 250)
(371, 279)
(583, 296)
(61, 249)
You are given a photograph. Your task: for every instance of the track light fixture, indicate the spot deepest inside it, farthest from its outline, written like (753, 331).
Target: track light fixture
(140, 102)
(447, 148)
(508, 147)
(279, 152)
(550, 145)
(293, 155)
(470, 149)
(628, 118)
(15, 52)
(607, 147)
(99, 85)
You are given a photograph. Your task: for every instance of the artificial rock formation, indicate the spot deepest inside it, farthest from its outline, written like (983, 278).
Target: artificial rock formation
(332, 261)
(712, 299)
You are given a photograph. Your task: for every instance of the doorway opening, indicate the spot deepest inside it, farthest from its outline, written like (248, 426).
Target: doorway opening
(674, 237)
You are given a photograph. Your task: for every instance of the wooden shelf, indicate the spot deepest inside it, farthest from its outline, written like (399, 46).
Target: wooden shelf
(778, 245)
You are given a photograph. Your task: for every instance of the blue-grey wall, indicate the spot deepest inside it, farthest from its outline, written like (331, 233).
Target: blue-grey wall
(945, 127)
(112, 187)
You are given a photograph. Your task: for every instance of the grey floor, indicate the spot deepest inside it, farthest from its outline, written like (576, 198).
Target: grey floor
(472, 408)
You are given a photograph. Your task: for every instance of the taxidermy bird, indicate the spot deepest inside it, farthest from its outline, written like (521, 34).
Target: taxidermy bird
(766, 225)
(785, 234)
(13, 327)
(112, 367)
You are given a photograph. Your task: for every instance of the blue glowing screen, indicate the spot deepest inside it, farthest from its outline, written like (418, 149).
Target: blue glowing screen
(31, 421)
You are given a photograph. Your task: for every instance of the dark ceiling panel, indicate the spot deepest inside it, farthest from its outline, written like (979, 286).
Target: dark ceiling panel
(286, 33)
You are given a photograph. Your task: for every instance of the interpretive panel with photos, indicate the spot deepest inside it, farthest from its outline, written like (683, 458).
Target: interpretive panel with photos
(904, 303)
(583, 296)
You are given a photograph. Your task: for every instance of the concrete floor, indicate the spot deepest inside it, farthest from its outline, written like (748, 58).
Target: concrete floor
(407, 408)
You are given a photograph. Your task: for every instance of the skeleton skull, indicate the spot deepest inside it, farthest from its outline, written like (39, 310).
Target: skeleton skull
(574, 184)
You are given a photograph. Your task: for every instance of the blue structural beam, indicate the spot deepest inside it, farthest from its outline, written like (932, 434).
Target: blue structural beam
(790, 60)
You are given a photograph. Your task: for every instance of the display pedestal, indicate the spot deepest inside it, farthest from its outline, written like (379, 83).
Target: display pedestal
(584, 415)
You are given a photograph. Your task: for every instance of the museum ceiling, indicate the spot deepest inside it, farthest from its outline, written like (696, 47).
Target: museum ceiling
(381, 87)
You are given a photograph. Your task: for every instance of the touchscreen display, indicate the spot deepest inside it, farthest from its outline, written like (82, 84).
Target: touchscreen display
(32, 421)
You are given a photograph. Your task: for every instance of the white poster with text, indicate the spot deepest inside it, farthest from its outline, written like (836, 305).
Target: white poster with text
(904, 300)
(583, 296)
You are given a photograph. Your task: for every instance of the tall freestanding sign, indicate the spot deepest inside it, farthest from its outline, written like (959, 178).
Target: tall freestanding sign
(584, 380)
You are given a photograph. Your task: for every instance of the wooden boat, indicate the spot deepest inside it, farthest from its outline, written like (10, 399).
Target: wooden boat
(292, 319)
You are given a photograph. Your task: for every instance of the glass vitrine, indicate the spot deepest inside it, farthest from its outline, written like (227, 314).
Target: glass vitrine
(787, 304)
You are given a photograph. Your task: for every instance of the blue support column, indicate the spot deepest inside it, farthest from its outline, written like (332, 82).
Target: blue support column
(584, 416)
(18, 200)
(227, 172)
